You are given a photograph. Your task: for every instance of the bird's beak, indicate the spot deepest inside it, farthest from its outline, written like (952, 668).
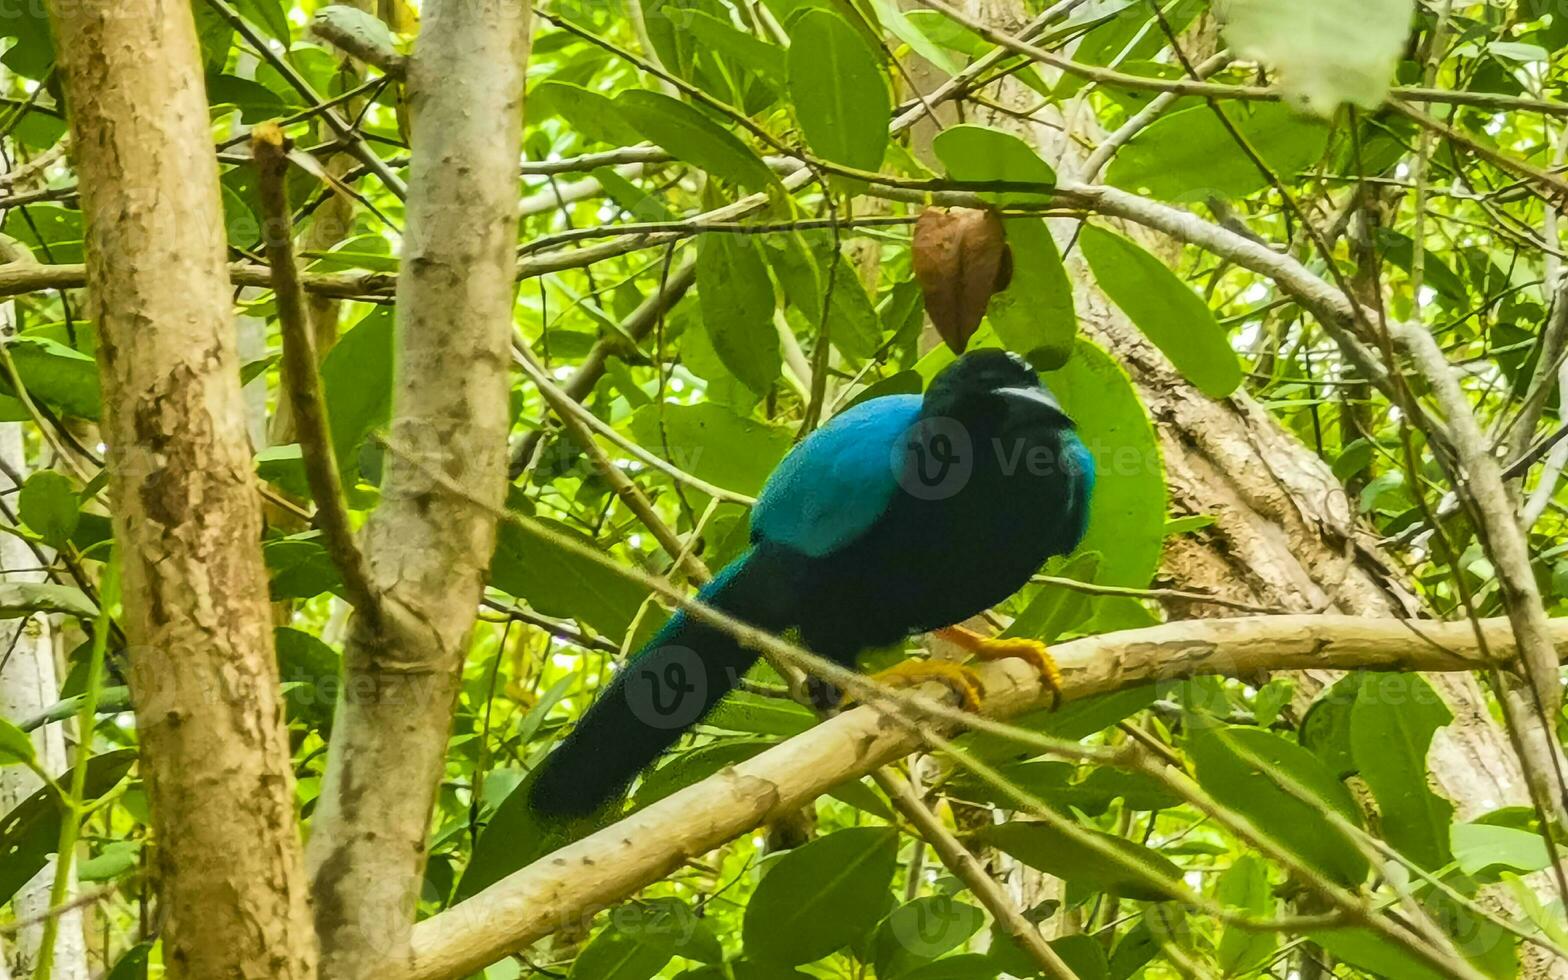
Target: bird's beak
(1037, 396)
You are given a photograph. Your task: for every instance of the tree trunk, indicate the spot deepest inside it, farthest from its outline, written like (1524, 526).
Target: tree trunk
(28, 684)
(187, 523)
(429, 542)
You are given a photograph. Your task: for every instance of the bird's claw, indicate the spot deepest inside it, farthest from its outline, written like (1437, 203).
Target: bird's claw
(959, 679)
(1033, 652)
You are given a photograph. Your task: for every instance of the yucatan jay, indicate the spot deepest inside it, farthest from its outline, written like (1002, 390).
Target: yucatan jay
(899, 516)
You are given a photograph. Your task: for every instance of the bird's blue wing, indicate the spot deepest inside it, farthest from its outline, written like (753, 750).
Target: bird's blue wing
(833, 486)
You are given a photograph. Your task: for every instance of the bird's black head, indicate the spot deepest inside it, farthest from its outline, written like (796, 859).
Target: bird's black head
(987, 381)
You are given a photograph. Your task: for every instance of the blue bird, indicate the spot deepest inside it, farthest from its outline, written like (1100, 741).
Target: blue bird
(903, 515)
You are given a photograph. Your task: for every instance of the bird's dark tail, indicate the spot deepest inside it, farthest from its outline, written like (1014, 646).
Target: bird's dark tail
(664, 689)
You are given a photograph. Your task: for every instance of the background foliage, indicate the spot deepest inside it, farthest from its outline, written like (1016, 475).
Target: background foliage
(806, 313)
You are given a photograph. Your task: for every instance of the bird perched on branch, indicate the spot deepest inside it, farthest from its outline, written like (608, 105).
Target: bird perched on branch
(903, 515)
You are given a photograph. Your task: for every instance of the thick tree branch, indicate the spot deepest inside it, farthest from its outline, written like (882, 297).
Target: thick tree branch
(570, 885)
(301, 380)
(427, 546)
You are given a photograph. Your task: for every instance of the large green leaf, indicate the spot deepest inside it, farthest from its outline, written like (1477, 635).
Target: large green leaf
(618, 955)
(1191, 156)
(1369, 951)
(1328, 52)
(593, 115)
(30, 832)
(694, 137)
(840, 94)
(19, 599)
(919, 931)
(980, 153)
(1245, 886)
(49, 504)
(691, 767)
(1391, 729)
(1166, 309)
(1482, 848)
(1131, 869)
(1127, 511)
(768, 60)
(1233, 765)
(59, 376)
(804, 263)
(356, 383)
(821, 896)
(1034, 315)
(712, 442)
(736, 297)
(558, 582)
(671, 925)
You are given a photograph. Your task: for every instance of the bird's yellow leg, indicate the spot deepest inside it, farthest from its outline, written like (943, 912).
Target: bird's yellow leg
(1034, 652)
(960, 679)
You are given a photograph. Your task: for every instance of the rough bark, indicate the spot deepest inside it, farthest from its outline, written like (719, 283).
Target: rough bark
(568, 886)
(28, 684)
(187, 522)
(427, 546)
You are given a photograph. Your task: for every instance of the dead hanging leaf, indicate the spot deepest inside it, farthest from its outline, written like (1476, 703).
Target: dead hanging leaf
(961, 259)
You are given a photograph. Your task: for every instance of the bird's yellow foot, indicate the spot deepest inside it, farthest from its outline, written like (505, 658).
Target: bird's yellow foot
(960, 679)
(1034, 652)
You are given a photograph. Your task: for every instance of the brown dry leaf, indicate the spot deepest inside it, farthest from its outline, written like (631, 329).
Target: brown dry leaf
(961, 259)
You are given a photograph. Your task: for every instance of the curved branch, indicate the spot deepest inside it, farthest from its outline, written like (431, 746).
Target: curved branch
(573, 883)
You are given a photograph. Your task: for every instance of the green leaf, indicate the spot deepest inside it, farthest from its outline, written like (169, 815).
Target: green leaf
(1369, 951)
(802, 262)
(736, 297)
(255, 102)
(1168, 312)
(743, 711)
(1325, 729)
(821, 896)
(979, 153)
(1048, 849)
(32, 56)
(19, 599)
(1230, 766)
(693, 137)
(1245, 886)
(692, 767)
(669, 924)
(617, 955)
(1127, 514)
(313, 668)
(964, 966)
(1328, 52)
(116, 858)
(268, 14)
(712, 442)
(1055, 783)
(1399, 250)
(557, 582)
(57, 375)
(356, 382)
(767, 60)
(15, 746)
(1482, 849)
(49, 504)
(1391, 729)
(132, 964)
(595, 116)
(30, 832)
(1190, 156)
(922, 930)
(840, 94)
(1034, 315)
